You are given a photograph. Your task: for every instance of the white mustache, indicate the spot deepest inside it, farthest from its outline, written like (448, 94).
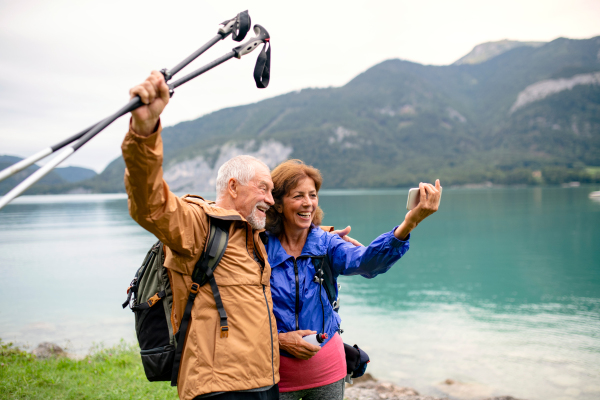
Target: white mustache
(262, 204)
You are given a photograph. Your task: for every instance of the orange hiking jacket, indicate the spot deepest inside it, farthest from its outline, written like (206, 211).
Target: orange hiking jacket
(249, 357)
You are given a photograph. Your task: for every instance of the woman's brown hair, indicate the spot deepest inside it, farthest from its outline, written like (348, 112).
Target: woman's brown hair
(286, 176)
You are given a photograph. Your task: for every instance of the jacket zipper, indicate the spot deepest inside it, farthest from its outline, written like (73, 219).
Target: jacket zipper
(271, 327)
(297, 293)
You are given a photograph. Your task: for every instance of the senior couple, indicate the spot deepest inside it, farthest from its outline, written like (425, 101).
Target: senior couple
(265, 278)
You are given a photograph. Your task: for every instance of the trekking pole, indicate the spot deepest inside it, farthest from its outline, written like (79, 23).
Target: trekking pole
(238, 27)
(261, 77)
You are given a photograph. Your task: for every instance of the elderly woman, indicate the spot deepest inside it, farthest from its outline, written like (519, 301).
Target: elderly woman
(297, 248)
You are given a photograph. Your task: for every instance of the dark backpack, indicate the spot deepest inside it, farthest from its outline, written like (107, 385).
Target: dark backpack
(150, 298)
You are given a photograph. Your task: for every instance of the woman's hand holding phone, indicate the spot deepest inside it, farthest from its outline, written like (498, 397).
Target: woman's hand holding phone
(414, 196)
(428, 202)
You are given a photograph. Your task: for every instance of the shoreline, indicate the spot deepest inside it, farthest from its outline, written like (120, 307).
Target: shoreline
(324, 191)
(368, 387)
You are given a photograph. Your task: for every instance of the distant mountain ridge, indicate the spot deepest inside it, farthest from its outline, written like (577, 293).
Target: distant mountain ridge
(485, 51)
(60, 179)
(528, 115)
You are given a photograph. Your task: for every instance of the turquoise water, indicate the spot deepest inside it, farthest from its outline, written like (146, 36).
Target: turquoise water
(500, 291)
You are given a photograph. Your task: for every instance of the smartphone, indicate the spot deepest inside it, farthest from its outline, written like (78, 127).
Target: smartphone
(414, 198)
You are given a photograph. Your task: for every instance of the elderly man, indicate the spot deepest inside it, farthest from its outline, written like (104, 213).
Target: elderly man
(245, 363)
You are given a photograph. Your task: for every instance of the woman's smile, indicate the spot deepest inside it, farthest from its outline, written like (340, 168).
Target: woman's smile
(305, 215)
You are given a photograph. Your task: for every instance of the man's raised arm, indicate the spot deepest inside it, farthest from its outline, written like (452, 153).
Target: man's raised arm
(151, 204)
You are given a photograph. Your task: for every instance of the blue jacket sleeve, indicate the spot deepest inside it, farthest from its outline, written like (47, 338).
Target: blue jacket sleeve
(369, 261)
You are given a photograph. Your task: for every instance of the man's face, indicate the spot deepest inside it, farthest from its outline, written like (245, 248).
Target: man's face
(254, 199)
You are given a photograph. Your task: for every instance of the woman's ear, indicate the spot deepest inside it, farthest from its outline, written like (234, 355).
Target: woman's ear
(278, 208)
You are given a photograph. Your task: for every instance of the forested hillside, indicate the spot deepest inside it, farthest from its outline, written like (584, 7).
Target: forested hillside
(529, 115)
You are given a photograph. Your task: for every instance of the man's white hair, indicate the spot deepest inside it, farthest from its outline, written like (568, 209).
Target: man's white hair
(241, 168)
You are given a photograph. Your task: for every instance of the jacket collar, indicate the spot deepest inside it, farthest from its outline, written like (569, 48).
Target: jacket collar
(315, 246)
(213, 210)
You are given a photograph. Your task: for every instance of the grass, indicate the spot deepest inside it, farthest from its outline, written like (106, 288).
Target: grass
(106, 373)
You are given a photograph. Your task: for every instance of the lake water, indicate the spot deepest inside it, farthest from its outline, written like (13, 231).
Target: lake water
(500, 291)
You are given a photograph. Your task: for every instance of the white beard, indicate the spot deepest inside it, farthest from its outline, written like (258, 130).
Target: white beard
(254, 220)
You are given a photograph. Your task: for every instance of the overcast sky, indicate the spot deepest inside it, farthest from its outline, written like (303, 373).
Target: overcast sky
(66, 64)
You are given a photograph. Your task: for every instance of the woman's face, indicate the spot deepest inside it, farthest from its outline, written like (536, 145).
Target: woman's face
(299, 205)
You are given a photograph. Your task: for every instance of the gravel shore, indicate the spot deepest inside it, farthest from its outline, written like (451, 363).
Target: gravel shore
(368, 388)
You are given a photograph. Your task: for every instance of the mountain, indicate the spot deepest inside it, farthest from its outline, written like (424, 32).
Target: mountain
(60, 180)
(75, 174)
(485, 51)
(522, 114)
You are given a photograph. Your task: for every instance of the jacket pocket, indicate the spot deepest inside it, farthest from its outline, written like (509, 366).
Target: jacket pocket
(158, 363)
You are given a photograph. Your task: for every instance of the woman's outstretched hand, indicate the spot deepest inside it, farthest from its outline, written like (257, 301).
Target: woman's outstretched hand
(429, 203)
(344, 235)
(293, 343)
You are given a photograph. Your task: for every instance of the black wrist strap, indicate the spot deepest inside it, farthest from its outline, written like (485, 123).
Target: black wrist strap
(262, 69)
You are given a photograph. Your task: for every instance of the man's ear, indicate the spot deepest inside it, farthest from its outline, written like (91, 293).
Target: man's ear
(232, 187)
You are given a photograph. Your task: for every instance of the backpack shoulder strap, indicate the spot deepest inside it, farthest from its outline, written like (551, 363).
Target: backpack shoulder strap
(323, 268)
(216, 243)
(215, 248)
(203, 272)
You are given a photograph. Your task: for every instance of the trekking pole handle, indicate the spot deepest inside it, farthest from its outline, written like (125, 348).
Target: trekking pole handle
(238, 26)
(227, 27)
(236, 23)
(262, 36)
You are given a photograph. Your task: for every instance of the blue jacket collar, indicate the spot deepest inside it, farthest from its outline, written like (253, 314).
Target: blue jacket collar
(316, 245)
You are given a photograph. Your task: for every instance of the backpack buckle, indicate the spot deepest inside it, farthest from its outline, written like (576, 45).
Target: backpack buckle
(153, 300)
(194, 288)
(225, 331)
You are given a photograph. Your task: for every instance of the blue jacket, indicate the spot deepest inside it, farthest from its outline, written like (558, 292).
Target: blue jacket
(344, 259)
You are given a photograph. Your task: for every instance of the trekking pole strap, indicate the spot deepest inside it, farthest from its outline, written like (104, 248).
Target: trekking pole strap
(262, 69)
(238, 26)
